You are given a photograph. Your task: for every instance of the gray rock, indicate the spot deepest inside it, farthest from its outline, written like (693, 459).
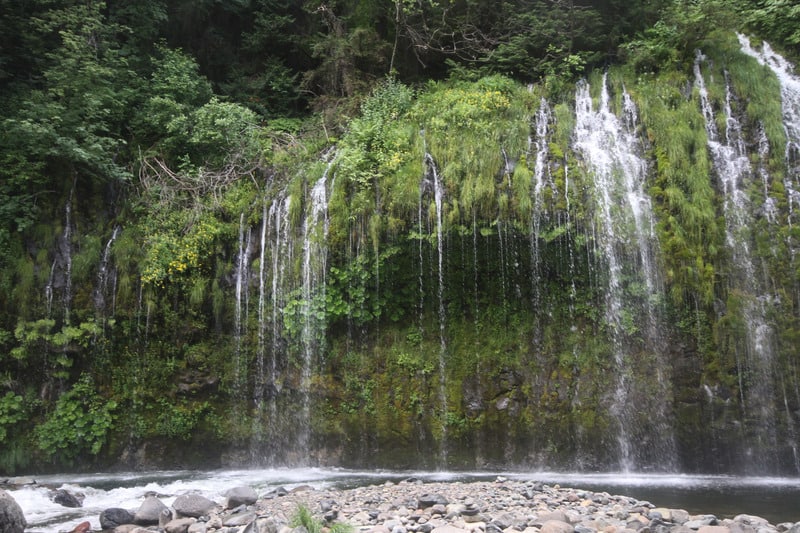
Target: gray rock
(11, 518)
(194, 505)
(277, 492)
(558, 515)
(240, 496)
(262, 525)
(126, 528)
(67, 499)
(179, 525)
(197, 527)
(429, 500)
(714, 529)
(114, 517)
(240, 519)
(556, 526)
(750, 520)
(20, 480)
(448, 529)
(149, 512)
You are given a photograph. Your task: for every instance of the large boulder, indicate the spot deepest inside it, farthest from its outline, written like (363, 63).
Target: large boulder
(194, 505)
(240, 496)
(149, 512)
(114, 517)
(11, 518)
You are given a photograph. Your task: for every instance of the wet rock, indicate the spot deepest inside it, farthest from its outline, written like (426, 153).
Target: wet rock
(193, 505)
(275, 493)
(240, 496)
(114, 517)
(20, 481)
(83, 527)
(66, 498)
(11, 518)
(149, 512)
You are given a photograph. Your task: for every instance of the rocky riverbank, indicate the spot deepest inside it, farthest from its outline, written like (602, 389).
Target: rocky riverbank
(413, 506)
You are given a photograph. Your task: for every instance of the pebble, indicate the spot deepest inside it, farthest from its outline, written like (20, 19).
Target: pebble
(502, 506)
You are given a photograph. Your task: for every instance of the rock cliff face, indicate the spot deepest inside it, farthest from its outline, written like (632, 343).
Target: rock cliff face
(483, 275)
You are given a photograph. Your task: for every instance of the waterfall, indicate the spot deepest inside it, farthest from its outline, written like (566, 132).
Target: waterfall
(276, 257)
(242, 279)
(103, 274)
(625, 242)
(541, 179)
(61, 268)
(314, 270)
(755, 358)
(259, 387)
(432, 173)
(790, 106)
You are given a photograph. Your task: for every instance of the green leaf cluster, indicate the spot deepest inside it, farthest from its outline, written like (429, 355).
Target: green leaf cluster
(79, 423)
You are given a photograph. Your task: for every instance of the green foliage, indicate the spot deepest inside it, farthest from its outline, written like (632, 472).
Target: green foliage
(174, 254)
(492, 116)
(38, 342)
(683, 26)
(12, 410)
(178, 420)
(776, 19)
(79, 423)
(690, 237)
(305, 518)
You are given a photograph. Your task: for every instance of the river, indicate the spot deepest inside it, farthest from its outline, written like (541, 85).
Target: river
(775, 498)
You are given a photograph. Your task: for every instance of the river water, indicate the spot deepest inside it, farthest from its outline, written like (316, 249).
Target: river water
(776, 499)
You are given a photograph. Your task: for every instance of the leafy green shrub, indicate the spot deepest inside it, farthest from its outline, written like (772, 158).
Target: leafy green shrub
(78, 424)
(12, 411)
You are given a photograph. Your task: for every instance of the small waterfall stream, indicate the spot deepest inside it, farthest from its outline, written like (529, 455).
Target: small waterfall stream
(625, 240)
(541, 179)
(432, 173)
(755, 359)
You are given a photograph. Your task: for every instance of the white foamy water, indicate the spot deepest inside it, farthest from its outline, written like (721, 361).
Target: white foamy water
(719, 495)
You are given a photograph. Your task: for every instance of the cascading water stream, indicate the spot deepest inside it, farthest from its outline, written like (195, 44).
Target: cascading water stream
(626, 244)
(541, 179)
(790, 106)
(438, 198)
(240, 311)
(755, 358)
(314, 270)
(103, 274)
